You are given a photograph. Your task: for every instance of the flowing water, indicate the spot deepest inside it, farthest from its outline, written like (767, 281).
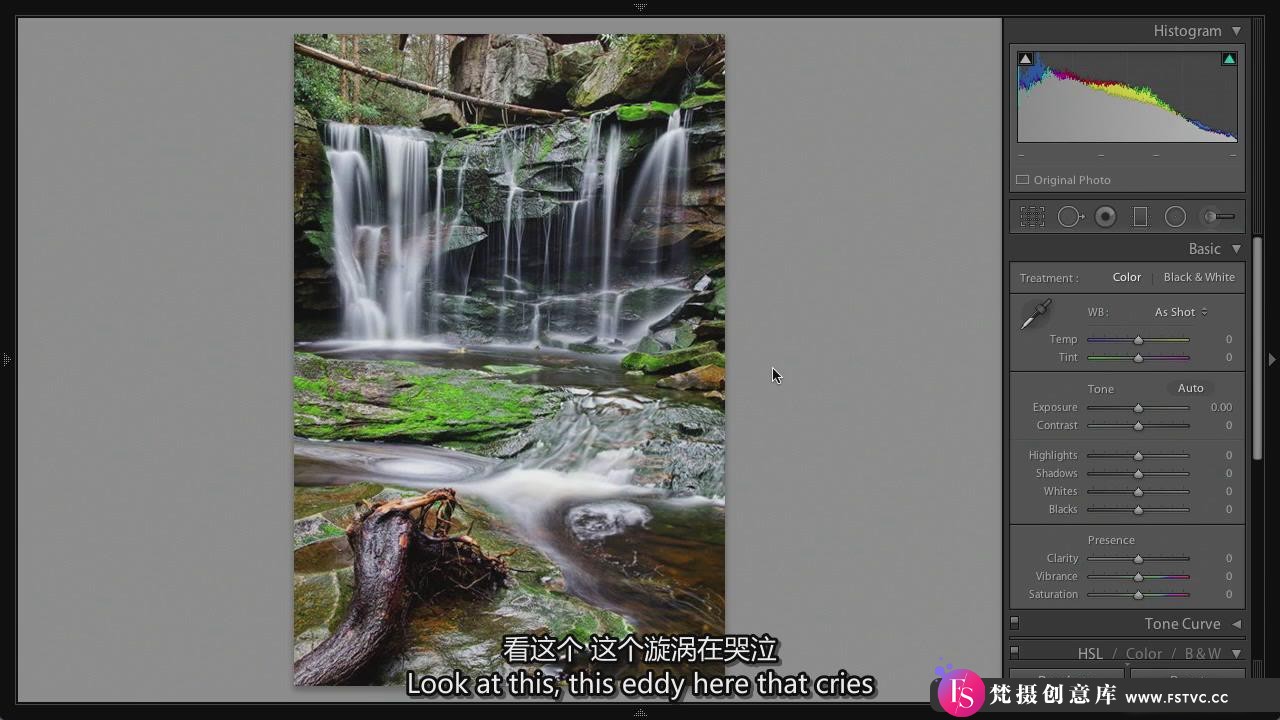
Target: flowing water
(564, 275)
(587, 492)
(662, 182)
(623, 489)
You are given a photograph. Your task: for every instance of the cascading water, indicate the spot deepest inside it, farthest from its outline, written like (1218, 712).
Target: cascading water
(511, 280)
(399, 196)
(353, 208)
(608, 326)
(587, 479)
(386, 227)
(662, 181)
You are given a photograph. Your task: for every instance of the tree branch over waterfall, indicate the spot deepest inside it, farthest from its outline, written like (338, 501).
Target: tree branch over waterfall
(418, 87)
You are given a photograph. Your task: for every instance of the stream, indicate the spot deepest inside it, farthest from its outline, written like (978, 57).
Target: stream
(588, 490)
(535, 254)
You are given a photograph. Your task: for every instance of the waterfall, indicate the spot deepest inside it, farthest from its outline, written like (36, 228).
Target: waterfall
(387, 227)
(663, 178)
(567, 244)
(398, 198)
(608, 313)
(511, 144)
(454, 222)
(353, 208)
(407, 160)
(437, 249)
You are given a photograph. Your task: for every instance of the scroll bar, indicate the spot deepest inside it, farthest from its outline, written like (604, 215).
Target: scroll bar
(1259, 364)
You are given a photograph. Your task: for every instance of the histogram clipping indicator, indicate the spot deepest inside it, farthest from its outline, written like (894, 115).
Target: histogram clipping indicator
(1127, 97)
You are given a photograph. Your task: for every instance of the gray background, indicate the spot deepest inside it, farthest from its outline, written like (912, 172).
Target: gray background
(155, 300)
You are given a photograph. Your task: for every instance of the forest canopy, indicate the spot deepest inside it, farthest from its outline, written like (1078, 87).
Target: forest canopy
(332, 94)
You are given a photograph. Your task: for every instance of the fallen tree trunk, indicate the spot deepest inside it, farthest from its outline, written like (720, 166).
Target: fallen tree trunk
(401, 548)
(418, 87)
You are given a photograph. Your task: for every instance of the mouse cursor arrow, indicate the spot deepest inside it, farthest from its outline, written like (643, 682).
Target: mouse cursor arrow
(776, 377)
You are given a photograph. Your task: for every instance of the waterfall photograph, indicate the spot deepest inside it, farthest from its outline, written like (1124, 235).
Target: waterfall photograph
(509, 348)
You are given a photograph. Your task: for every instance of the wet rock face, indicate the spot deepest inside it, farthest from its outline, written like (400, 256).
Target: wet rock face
(689, 444)
(442, 115)
(310, 172)
(515, 69)
(674, 360)
(315, 288)
(639, 67)
(572, 62)
(704, 377)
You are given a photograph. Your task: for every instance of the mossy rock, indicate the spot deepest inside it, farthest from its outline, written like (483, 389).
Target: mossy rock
(720, 301)
(649, 346)
(646, 111)
(686, 335)
(711, 358)
(570, 63)
(312, 189)
(476, 130)
(697, 101)
(320, 599)
(671, 361)
(638, 67)
(382, 400)
(313, 529)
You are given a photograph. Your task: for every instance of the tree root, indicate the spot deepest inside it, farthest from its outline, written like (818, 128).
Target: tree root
(403, 549)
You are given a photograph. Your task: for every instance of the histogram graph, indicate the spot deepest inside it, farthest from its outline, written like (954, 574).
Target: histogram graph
(1127, 97)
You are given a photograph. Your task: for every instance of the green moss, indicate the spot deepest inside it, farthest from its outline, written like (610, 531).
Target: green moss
(709, 87)
(695, 101)
(438, 405)
(324, 532)
(548, 144)
(645, 111)
(641, 49)
(324, 387)
(671, 361)
(711, 358)
(476, 130)
(322, 241)
(372, 400)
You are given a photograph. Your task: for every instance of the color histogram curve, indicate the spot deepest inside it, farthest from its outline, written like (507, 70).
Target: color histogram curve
(1062, 105)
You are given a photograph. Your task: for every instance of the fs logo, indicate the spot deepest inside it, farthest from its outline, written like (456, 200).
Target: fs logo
(961, 692)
